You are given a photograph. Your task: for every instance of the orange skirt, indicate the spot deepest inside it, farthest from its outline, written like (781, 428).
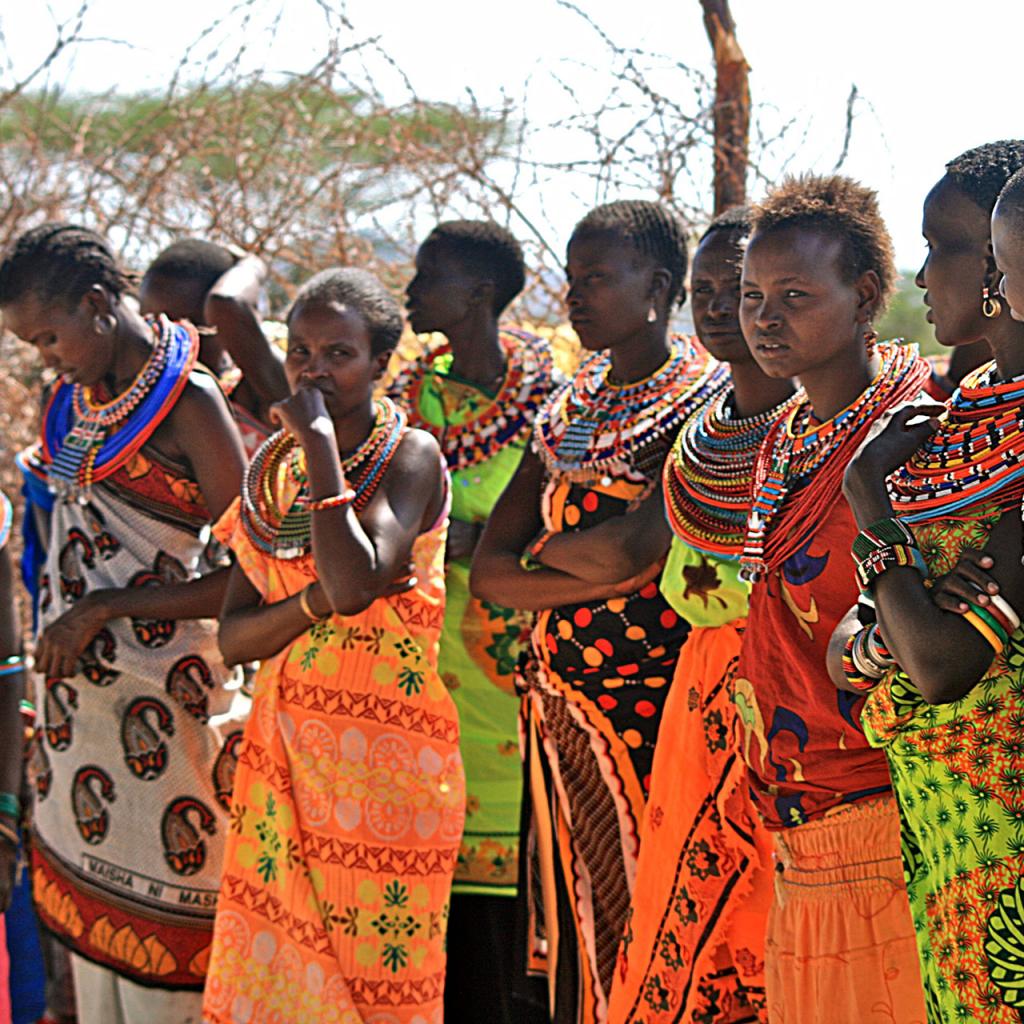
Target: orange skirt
(694, 946)
(841, 945)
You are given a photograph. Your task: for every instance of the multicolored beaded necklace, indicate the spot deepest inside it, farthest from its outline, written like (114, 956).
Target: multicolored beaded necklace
(286, 533)
(591, 429)
(795, 451)
(502, 419)
(708, 478)
(973, 464)
(86, 440)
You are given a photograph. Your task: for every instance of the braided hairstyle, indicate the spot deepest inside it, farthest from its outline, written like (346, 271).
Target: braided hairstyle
(59, 262)
(981, 173)
(360, 291)
(736, 218)
(652, 229)
(193, 260)
(486, 249)
(841, 207)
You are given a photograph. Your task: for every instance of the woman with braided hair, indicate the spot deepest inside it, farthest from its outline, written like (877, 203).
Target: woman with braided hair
(138, 452)
(694, 946)
(578, 537)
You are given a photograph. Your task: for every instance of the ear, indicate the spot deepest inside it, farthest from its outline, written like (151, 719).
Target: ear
(382, 359)
(869, 296)
(97, 301)
(482, 294)
(661, 285)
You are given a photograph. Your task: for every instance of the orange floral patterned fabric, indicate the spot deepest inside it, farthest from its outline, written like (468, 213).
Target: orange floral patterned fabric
(347, 811)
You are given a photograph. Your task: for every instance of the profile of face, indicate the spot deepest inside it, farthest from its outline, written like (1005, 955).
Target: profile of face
(66, 338)
(329, 348)
(1008, 250)
(798, 310)
(958, 264)
(611, 289)
(715, 294)
(443, 291)
(175, 298)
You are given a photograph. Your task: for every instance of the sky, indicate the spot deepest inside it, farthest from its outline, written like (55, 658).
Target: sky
(934, 78)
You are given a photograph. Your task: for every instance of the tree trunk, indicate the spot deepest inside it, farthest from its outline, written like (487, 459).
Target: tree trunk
(732, 106)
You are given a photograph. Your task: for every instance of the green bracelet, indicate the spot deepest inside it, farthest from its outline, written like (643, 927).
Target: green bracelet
(987, 617)
(10, 806)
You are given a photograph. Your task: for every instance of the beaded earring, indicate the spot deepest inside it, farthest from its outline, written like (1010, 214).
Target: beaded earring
(870, 339)
(991, 307)
(652, 314)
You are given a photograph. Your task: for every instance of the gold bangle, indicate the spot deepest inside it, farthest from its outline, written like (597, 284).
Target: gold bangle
(305, 605)
(984, 629)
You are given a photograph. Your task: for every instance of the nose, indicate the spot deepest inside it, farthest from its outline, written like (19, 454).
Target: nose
(919, 279)
(722, 306)
(316, 366)
(766, 317)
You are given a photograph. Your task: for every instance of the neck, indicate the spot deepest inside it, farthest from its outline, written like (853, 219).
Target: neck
(753, 392)
(354, 427)
(133, 346)
(1006, 339)
(639, 357)
(833, 387)
(477, 355)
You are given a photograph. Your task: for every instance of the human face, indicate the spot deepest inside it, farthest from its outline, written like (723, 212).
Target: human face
(957, 266)
(440, 295)
(177, 300)
(799, 315)
(1008, 249)
(610, 290)
(715, 295)
(329, 349)
(66, 339)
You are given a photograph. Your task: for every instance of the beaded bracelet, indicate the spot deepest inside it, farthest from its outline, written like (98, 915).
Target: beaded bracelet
(530, 558)
(865, 658)
(9, 666)
(877, 648)
(880, 560)
(307, 609)
(10, 805)
(346, 497)
(857, 679)
(983, 628)
(883, 534)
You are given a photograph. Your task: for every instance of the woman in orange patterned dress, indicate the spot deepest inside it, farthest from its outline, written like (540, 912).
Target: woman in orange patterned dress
(349, 794)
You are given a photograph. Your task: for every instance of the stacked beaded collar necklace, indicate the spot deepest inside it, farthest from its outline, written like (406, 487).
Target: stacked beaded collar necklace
(795, 451)
(974, 463)
(593, 429)
(286, 533)
(86, 440)
(708, 477)
(504, 418)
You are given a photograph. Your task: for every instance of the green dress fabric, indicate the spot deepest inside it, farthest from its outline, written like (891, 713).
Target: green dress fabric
(958, 773)
(704, 589)
(480, 644)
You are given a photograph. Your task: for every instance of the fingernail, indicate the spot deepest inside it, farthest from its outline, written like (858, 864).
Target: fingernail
(993, 588)
(986, 561)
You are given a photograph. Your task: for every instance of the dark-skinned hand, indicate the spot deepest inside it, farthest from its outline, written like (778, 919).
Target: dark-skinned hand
(894, 444)
(967, 581)
(62, 642)
(303, 414)
(462, 540)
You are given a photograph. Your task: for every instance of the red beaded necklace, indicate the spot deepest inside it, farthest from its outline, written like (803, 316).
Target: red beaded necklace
(795, 452)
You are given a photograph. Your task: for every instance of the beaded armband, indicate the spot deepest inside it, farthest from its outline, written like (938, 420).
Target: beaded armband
(334, 501)
(885, 533)
(880, 560)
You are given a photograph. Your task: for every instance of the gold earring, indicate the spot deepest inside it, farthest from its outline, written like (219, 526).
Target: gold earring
(652, 314)
(991, 307)
(105, 324)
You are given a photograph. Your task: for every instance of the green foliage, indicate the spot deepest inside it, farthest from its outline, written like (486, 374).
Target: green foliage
(905, 317)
